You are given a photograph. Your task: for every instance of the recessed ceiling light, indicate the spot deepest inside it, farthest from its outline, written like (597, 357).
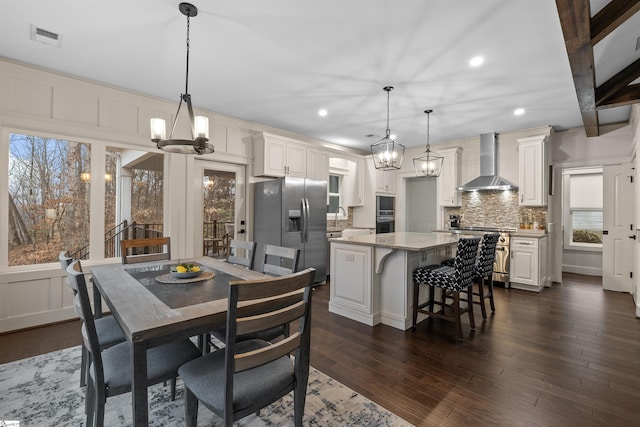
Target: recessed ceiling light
(322, 112)
(518, 111)
(476, 61)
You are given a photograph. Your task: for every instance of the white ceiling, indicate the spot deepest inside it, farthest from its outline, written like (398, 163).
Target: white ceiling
(277, 62)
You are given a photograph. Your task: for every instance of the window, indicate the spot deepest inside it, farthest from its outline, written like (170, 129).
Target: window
(49, 189)
(334, 193)
(52, 197)
(583, 208)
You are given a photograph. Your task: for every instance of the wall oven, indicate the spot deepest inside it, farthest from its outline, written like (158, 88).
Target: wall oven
(385, 214)
(385, 225)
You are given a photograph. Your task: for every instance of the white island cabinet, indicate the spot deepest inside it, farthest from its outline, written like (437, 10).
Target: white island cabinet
(371, 275)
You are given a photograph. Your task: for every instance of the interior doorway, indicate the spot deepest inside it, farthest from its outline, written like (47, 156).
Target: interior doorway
(220, 214)
(421, 206)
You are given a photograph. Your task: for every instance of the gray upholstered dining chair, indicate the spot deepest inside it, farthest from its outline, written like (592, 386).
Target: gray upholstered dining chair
(154, 249)
(249, 375)
(108, 331)
(234, 256)
(279, 260)
(109, 374)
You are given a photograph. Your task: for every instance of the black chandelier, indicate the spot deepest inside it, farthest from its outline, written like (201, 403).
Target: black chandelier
(199, 124)
(387, 153)
(428, 163)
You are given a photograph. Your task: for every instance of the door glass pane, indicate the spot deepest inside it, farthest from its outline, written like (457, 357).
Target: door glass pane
(219, 211)
(49, 188)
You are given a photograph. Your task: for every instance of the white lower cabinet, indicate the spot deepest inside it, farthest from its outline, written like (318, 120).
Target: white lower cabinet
(351, 291)
(528, 263)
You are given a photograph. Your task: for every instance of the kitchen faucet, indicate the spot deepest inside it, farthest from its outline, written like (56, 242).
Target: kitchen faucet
(340, 208)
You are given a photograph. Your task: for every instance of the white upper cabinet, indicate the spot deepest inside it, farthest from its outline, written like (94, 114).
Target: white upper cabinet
(277, 156)
(352, 175)
(317, 164)
(449, 178)
(386, 181)
(532, 175)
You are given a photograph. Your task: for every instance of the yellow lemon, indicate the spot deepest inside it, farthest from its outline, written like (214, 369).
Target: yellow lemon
(181, 269)
(195, 268)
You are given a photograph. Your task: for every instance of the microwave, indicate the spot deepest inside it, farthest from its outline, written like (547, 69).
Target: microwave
(385, 206)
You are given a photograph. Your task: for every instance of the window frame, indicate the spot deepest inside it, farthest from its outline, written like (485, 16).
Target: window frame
(567, 211)
(342, 215)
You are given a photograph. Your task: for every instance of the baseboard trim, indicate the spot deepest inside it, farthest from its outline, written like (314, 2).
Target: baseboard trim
(578, 269)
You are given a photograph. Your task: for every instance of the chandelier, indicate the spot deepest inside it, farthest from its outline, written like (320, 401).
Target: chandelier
(387, 153)
(428, 163)
(198, 144)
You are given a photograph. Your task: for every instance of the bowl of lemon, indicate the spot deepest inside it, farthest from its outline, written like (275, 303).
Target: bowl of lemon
(186, 271)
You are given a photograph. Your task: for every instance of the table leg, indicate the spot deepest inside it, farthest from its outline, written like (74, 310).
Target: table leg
(97, 302)
(139, 399)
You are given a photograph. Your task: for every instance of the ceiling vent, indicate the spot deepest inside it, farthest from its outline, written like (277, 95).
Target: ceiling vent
(41, 35)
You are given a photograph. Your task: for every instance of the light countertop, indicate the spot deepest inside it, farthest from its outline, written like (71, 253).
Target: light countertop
(405, 241)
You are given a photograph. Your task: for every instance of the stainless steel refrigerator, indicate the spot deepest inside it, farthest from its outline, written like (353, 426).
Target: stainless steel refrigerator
(292, 212)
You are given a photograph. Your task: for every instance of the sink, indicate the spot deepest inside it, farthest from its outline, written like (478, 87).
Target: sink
(355, 232)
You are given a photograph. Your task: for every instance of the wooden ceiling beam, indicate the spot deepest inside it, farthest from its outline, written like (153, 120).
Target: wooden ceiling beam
(611, 87)
(626, 96)
(575, 19)
(611, 17)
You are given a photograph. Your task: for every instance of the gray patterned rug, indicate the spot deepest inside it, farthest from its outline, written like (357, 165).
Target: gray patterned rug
(44, 391)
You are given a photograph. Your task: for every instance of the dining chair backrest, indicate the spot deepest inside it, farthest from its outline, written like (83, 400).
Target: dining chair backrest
(288, 300)
(279, 260)
(144, 250)
(234, 256)
(64, 259)
(82, 307)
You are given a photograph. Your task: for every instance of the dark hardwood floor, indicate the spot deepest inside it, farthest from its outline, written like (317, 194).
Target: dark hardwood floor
(567, 356)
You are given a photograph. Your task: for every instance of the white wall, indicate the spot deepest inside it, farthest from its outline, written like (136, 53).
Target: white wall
(572, 148)
(36, 101)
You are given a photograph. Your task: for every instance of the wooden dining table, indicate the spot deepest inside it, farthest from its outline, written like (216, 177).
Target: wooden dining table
(153, 313)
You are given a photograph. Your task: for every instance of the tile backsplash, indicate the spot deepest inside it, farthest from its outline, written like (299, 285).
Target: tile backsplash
(494, 209)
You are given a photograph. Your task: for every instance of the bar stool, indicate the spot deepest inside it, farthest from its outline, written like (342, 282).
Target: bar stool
(484, 271)
(451, 281)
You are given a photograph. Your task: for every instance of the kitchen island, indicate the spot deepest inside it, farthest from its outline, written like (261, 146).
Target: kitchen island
(371, 278)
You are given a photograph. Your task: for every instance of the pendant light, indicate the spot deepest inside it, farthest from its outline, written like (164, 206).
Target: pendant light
(387, 153)
(198, 144)
(428, 163)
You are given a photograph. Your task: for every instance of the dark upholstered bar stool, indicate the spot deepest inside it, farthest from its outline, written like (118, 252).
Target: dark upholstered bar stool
(451, 281)
(484, 271)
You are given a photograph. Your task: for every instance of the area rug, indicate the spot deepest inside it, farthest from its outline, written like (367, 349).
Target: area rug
(44, 391)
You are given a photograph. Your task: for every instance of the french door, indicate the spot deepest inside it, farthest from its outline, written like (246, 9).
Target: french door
(219, 205)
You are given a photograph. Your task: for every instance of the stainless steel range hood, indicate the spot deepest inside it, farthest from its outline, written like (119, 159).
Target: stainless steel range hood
(488, 180)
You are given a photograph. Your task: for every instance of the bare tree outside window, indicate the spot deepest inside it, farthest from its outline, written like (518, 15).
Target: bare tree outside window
(49, 187)
(219, 190)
